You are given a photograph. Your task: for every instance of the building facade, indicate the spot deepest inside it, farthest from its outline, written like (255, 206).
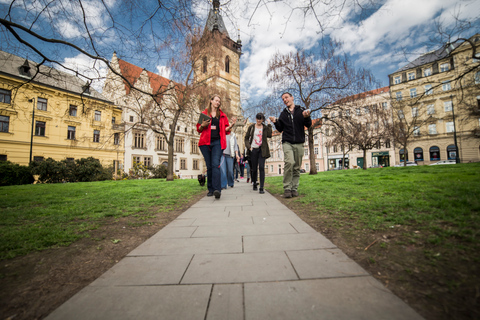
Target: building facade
(436, 99)
(367, 111)
(46, 113)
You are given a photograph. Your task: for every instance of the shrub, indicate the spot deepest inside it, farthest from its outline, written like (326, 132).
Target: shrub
(159, 171)
(14, 174)
(88, 169)
(49, 171)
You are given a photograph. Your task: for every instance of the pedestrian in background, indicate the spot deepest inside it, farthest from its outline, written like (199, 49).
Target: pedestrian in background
(257, 145)
(291, 123)
(212, 141)
(230, 154)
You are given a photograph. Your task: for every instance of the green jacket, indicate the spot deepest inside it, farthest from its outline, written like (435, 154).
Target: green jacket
(267, 133)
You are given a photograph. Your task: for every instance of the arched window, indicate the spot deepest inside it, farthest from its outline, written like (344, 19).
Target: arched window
(227, 64)
(418, 154)
(403, 155)
(204, 66)
(451, 152)
(434, 153)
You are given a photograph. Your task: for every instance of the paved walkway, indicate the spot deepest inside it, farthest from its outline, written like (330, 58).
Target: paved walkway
(245, 256)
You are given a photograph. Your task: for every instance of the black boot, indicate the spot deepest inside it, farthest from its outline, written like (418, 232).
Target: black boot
(255, 186)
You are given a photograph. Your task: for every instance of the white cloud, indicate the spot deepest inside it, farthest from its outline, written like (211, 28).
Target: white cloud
(89, 68)
(164, 71)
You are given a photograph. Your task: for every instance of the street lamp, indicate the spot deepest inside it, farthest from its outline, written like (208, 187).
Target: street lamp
(33, 128)
(457, 152)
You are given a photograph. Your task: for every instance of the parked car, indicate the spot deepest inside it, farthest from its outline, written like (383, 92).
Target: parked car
(302, 170)
(409, 164)
(443, 162)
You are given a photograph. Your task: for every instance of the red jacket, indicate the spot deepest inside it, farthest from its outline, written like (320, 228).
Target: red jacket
(206, 133)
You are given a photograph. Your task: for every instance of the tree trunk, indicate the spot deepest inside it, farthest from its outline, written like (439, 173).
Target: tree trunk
(364, 159)
(313, 166)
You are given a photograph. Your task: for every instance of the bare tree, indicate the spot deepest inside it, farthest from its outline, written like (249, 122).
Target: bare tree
(318, 78)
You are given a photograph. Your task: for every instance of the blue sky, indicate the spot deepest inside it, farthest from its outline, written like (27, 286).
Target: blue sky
(382, 39)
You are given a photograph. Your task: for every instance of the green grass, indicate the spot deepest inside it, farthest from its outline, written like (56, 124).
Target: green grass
(41, 216)
(442, 200)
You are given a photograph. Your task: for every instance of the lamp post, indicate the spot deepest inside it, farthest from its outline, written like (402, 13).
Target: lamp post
(457, 152)
(33, 128)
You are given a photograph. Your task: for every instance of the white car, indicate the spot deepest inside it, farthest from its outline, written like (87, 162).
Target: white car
(409, 164)
(443, 162)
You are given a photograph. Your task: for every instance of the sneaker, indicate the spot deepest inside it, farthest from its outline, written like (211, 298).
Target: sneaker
(217, 194)
(255, 187)
(294, 193)
(261, 191)
(287, 194)
(209, 194)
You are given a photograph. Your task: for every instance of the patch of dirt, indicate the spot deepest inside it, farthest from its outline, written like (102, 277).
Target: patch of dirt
(32, 286)
(441, 282)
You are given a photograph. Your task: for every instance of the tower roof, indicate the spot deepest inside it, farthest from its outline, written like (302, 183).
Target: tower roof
(215, 20)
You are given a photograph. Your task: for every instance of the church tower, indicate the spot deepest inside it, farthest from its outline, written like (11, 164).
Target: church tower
(219, 62)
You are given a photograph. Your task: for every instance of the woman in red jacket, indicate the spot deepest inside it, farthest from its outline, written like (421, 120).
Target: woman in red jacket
(212, 141)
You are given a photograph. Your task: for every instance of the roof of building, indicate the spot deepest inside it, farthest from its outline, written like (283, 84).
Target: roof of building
(132, 72)
(12, 65)
(363, 95)
(430, 57)
(215, 19)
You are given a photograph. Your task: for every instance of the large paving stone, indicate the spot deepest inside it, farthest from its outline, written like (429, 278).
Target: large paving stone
(239, 268)
(335, 299)
(127, 303)
(226, 302)
(284, 242)
(222, 231)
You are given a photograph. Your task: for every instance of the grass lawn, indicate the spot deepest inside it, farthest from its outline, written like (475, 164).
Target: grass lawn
(41, 216)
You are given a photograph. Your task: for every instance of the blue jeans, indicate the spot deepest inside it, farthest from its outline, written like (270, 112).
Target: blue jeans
(227, 171)
(212, 155)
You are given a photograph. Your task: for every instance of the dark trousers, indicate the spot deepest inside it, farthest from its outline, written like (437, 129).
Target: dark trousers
(257, 163)
(212, 155)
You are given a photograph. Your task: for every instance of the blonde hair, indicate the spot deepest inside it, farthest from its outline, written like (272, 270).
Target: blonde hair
(210, 105)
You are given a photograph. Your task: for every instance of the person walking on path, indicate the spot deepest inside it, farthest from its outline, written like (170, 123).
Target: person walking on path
(212, 141)
(257, 147)
(291, 123)
(246, 160)
(230, 153)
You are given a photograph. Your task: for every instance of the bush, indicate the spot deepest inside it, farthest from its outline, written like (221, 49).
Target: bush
(49, 171)
(159, 171)
(14, 174)
(88, 169)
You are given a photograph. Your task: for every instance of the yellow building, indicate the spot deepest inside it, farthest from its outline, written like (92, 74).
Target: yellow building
(436, 99)
(46, 113)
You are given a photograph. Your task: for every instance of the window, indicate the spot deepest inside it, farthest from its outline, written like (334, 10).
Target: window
(432, 129)
(411, 76)
(385, 105)
(96, 135)
(204, 65)
(413, 93)
(403, 155)
(3, 157)
(38, 158)
(444, 67)
(317, 166)
(307, 167)
(136, 159)
(418, 154)
(447, 105)
(131, 118)
(116, 138)
(227, 64)
(414, 112)
(397, 80)
(4, 123)
(431, 109)
(40, 128)
(315, 150)
(398, 95)
(335, 149)
(428, 89)
(449, 126)
(451, 152)
(194, 146)
(71, 133)
(377, 145)
(305, 151)
(113, 120)
(358, 111)
(179, 145)
(446, 86)
(427, 72)
(147, 161)
(477, 81)
(387, 144)
(5, 96)
(161, 143)
(195, 164)
(434, 153)
(416, 131)
(72, 111)
(366, 110)
(42, 104)
(400, 114)
(139, 140)
(98, 115)
(183, 164)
